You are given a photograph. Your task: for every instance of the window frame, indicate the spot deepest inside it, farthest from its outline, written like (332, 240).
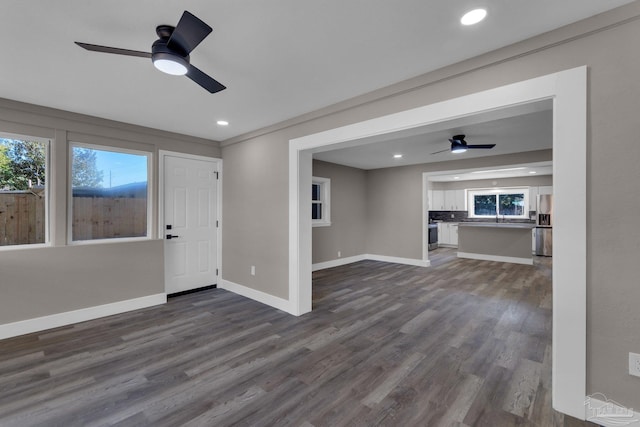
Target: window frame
(325, 201)
(47, 189)
(114, 149)
(471, 192)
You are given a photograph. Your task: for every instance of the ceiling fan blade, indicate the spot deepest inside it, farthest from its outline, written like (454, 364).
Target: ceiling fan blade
(481, 146)
(116, 50)
(188, 34)
(442, 151)
(204, 80)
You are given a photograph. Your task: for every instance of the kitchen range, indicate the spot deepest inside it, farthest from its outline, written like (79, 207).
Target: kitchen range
(433, 235)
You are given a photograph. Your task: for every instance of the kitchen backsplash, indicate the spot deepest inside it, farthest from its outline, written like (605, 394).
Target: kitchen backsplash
(461, 216)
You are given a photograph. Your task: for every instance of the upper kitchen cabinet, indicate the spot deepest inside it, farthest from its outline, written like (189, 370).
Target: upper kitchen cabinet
(438, 201)
(447, 200)
(454, 200)
(533, 198)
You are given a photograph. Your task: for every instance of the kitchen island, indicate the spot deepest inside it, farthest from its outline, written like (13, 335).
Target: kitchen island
(505, 241)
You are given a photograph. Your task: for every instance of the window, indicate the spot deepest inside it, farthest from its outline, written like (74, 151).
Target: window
(320, 202)
(23, 190)
(508, 203)
(110, 193)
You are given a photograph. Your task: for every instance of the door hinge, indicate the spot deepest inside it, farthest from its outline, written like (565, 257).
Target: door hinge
(216, 271)
(217, 224)
(217, 175)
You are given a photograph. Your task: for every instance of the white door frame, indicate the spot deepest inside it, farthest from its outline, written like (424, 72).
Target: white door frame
(161, 155)
(568, 90)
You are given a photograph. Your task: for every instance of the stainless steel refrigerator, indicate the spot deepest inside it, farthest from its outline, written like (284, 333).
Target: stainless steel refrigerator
(544, 225)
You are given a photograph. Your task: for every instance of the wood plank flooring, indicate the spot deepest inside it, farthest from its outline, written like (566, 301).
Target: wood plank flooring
(463, 343)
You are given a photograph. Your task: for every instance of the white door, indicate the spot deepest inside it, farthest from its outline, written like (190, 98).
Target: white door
(190, 223)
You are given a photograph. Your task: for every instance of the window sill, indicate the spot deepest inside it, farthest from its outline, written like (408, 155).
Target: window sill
(321, 224)
(108, 241)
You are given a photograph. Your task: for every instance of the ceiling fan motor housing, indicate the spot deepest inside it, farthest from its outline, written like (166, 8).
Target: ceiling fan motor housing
(160, 53)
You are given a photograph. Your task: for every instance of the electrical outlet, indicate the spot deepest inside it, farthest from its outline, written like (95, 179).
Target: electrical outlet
(453, 216)
(253, 270)
(339, 254)
(634, 364)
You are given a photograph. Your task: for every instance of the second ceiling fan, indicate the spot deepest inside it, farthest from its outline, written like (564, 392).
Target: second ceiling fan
(459, 145)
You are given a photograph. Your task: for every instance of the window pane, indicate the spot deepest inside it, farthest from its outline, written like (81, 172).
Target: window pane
(484, 204)
(315, 191)
(511, 204)
(316, 211)
(109, 194)
(22, 191)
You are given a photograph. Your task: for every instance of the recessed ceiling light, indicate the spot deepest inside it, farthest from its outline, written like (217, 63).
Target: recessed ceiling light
(456, 177)
(397, 156)
(222, 123)
(532, 172)
(473, 17)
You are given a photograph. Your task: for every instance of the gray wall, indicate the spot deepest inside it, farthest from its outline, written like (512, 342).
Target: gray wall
(44, 281)
(607, 44)
(395, 201)
(368, 207)
(347, 231)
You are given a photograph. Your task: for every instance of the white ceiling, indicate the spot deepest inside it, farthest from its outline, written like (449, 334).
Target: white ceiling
(514, 130)
(520, 170)
(279, 59)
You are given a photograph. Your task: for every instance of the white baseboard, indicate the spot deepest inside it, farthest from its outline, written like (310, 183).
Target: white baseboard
(337, 262)
(610, 413)
(264, 298)
(484, 257)
(356, 258)
(67, 318)
(398, 260)
(286, 305)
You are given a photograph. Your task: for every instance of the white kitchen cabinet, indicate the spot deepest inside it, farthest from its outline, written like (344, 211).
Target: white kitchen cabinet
(453, 233)
(443, 233)
(438, 200)
(454, 200)
(533, 198)
(448, 233)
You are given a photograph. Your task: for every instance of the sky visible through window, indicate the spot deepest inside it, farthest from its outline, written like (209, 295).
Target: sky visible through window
(121, 168)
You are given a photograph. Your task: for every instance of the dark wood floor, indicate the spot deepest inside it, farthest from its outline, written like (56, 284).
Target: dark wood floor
(461, 343)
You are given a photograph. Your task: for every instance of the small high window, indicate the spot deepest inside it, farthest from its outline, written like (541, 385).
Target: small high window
(110, 193)
(320, 201)
(23, 190)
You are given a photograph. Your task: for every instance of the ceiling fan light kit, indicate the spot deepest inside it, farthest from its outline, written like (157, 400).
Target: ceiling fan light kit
(170, 64)
(458, 149)
(170, 53)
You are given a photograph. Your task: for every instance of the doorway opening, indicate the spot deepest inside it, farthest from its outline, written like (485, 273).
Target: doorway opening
(568, 91)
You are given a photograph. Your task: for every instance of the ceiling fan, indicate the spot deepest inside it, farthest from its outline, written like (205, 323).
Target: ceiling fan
(459, 145)
(170, 53)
